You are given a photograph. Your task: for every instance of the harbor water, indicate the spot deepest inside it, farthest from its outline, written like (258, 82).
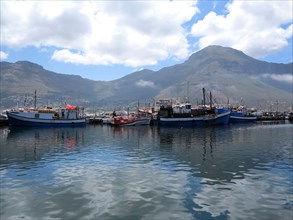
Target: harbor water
(147, 172)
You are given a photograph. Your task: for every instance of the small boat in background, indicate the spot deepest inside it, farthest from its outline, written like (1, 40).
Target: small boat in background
(143, 118)
(49, 117)
(122, 118)
(241, 115)
(101, 118)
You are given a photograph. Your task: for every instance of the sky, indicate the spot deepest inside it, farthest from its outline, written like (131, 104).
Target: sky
(106, 40)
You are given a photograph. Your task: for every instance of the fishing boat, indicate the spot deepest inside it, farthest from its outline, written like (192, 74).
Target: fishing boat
(143, 118)
(192, 117)
(123, 118)
(184, 115)
(241, 115)
(48, 117)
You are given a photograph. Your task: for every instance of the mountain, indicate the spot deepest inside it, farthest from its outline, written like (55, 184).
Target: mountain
(228, 73)
(22, 78)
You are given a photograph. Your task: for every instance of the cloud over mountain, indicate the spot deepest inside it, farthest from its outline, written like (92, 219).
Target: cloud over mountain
(288, 78)
(144, 83)
(256, 27)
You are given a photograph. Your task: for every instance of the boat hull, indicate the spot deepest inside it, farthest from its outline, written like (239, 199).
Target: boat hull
(242, 119)
(123, 124)
(15, 120)
(143, 122)
(131, 123)
(207, 120)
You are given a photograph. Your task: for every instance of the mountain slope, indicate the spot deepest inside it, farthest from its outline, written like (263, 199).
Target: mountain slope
(23, 78)
(228, 73)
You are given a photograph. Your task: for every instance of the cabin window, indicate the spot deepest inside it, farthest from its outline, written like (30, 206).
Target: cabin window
(37, 115)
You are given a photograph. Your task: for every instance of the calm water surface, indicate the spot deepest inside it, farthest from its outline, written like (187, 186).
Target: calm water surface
(100, 172)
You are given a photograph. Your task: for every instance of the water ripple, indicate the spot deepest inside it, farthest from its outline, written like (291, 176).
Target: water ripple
(147, 173)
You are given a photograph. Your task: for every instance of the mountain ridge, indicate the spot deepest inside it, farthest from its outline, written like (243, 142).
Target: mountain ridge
(228, 73)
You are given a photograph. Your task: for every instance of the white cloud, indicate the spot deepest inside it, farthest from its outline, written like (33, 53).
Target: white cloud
(144, 83)
(25, 23)
(3, 55)
(132, 33)
(288, 78)
(256, 27)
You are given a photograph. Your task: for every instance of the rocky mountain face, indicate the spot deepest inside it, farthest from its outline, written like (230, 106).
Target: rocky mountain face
(19, 81)
(228, 73)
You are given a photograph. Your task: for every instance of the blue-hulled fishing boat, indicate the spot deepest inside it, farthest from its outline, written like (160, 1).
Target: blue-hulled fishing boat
(185, 115)
(241, 115)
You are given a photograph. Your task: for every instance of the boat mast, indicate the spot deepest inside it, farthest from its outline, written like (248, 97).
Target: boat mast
(211, 100)
(35, 99)
(204, 97)
(188, 91)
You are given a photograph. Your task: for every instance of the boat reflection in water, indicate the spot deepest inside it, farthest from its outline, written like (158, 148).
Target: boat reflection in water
(27, 144)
